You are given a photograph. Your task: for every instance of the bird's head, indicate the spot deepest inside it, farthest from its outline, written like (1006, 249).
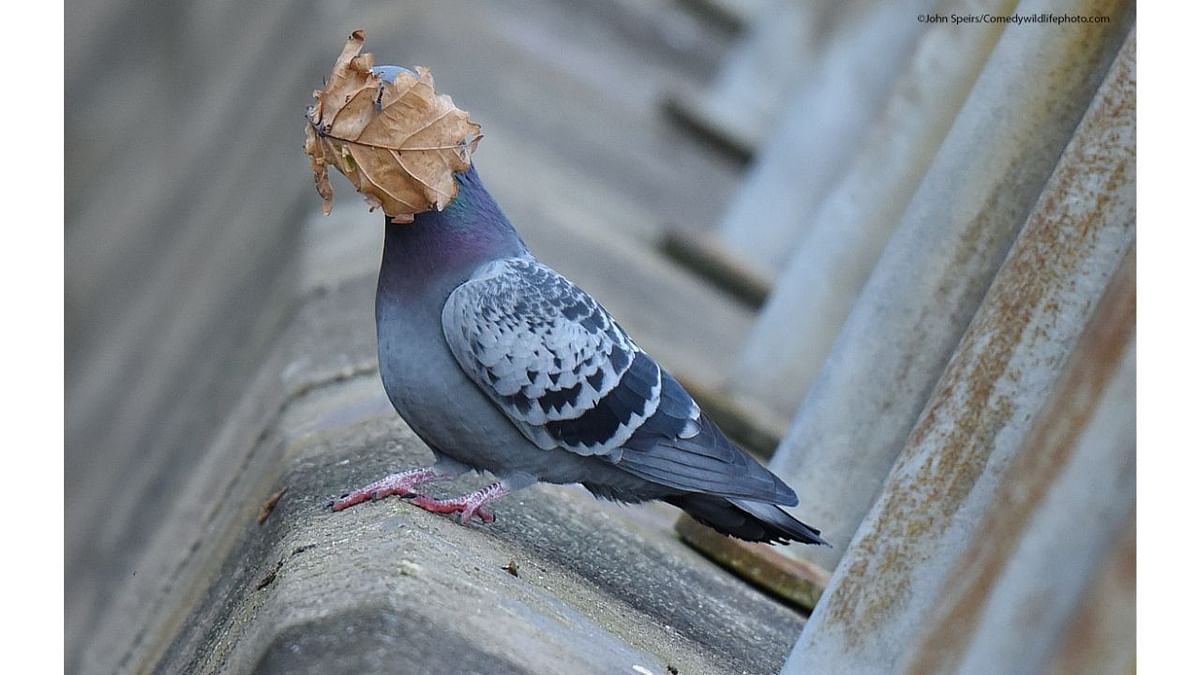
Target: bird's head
(388, 73)
(405, 154)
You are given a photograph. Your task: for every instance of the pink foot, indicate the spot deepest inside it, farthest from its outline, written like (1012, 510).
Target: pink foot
(396, 484)
(468, 505)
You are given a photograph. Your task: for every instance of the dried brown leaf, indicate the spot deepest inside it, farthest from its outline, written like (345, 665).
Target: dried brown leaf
(269, 505)
(398, 143)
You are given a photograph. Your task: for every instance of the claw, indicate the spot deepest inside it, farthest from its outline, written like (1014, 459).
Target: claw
(460, 505)
(468, 505)
(395, 484)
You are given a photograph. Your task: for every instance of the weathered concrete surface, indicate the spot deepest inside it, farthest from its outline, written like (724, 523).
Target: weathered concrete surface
(736, 14)
(796, 581)
(820, 131)
(1101, 637)
(176, 272)
(796, 328)
(1036, 325)
(982, 186)
(769, 60)
(389, 584)
(1063, 504)
(704, 254)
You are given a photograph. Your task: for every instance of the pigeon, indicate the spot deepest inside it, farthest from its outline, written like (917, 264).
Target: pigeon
(499, 363)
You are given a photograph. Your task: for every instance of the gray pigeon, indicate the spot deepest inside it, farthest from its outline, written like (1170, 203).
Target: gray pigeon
(499, 363)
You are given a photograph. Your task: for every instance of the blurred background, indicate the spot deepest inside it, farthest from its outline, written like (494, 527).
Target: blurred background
(855, 231)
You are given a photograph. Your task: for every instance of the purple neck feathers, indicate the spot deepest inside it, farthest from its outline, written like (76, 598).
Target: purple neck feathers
(439, 250)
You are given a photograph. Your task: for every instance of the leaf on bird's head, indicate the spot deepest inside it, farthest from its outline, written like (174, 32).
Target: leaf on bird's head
(399, 143)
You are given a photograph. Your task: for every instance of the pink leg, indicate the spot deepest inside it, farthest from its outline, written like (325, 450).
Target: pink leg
(396, 484)
(469, 505)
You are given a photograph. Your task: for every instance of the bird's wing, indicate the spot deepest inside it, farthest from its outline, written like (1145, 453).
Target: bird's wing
(559, 366)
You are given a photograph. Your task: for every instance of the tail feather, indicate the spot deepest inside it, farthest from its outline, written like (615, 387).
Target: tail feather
(745, 519)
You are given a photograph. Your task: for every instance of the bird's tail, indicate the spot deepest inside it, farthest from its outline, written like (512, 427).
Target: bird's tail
(745, 519)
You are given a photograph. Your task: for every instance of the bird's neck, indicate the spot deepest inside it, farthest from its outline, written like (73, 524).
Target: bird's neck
(440, 249)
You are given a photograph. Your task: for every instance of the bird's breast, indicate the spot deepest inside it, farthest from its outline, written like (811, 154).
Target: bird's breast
(436, 398)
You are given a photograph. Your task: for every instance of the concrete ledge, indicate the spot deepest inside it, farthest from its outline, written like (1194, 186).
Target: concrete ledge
(704, 256)
(733, 15)
(386, 586)
(793, 580)
(685, 106)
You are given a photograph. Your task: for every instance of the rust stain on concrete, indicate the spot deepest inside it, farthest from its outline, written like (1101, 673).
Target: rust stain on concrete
(1101, 636)
(1043, 457)
(970, 407)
